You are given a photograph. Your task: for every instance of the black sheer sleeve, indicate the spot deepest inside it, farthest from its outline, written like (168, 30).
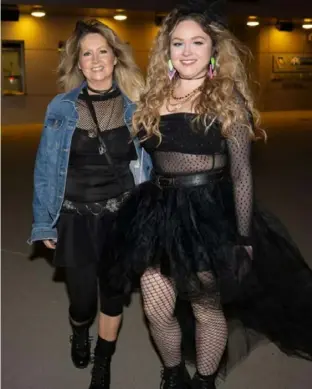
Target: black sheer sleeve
(239, 152)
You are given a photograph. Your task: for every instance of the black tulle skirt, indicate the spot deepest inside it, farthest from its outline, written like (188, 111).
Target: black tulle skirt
(185, 231)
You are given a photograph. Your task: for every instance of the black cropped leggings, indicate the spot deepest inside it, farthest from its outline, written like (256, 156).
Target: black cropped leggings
(83, 292)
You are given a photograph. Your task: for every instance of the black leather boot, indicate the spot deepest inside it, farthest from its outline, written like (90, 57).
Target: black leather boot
(101, 373)
(175, 378)
(80, 346)
(203, 382)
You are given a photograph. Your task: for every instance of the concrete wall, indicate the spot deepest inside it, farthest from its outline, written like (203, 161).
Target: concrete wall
(285, 94)
(41, 37)
(265, 43)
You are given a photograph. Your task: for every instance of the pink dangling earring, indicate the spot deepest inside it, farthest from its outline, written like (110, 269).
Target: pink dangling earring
(171, 70)
(211, 68)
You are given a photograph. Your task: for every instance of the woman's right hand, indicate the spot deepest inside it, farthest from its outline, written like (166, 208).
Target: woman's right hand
(50, 244)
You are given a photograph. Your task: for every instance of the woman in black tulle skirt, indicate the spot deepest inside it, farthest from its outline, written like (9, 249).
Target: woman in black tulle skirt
(195, 233)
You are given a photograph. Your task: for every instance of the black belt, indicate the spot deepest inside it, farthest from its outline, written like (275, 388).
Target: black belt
(190, 180)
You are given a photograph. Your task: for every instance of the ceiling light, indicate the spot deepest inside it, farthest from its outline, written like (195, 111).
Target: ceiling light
(253, 21)
(307, 24)
(120, 17)
(38, 12)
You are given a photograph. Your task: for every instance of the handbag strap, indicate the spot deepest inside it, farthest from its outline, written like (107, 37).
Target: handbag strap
(102, 147)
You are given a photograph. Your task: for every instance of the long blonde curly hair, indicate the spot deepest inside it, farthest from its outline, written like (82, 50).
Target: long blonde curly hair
(227, 97)
(126, 73)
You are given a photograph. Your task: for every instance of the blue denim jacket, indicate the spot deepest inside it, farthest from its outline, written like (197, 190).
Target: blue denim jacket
(52, 162)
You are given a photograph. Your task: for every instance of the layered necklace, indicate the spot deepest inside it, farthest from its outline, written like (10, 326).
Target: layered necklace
(175, 103)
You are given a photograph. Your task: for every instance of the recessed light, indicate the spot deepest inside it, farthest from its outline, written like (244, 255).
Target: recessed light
(252, 23)
(120, 17)
(38, 12)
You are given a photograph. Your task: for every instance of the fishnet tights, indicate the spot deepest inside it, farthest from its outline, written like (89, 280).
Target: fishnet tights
(159, 298)
(211, 330)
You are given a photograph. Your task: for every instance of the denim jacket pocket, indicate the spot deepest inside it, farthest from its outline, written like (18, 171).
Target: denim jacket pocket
(54, 122)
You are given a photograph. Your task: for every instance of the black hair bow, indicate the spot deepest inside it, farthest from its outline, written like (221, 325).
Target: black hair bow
(214, 11)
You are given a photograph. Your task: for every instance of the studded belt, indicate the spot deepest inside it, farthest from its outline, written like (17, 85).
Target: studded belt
(98, 208)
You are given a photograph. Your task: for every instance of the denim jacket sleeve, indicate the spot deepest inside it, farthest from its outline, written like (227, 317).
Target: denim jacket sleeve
(42, 221)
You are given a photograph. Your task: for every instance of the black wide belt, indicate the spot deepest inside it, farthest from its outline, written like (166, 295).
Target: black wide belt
(189, 180)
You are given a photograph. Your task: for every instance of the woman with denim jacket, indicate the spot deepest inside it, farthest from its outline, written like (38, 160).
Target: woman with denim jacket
(85, 168)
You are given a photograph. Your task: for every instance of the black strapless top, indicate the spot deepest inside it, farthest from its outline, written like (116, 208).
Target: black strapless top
(181, 134)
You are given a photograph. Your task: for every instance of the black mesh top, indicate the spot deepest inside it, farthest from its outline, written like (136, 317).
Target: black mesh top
(90, 178)
(186, 149)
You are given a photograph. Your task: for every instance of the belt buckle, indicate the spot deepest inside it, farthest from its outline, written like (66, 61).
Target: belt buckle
(164, 181)
(92, 209)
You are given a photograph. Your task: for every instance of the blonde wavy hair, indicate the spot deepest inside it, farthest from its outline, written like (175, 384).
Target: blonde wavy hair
(126, 73)
(226, 98)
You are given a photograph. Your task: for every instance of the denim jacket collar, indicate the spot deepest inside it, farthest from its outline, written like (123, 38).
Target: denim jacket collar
(72, 95)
